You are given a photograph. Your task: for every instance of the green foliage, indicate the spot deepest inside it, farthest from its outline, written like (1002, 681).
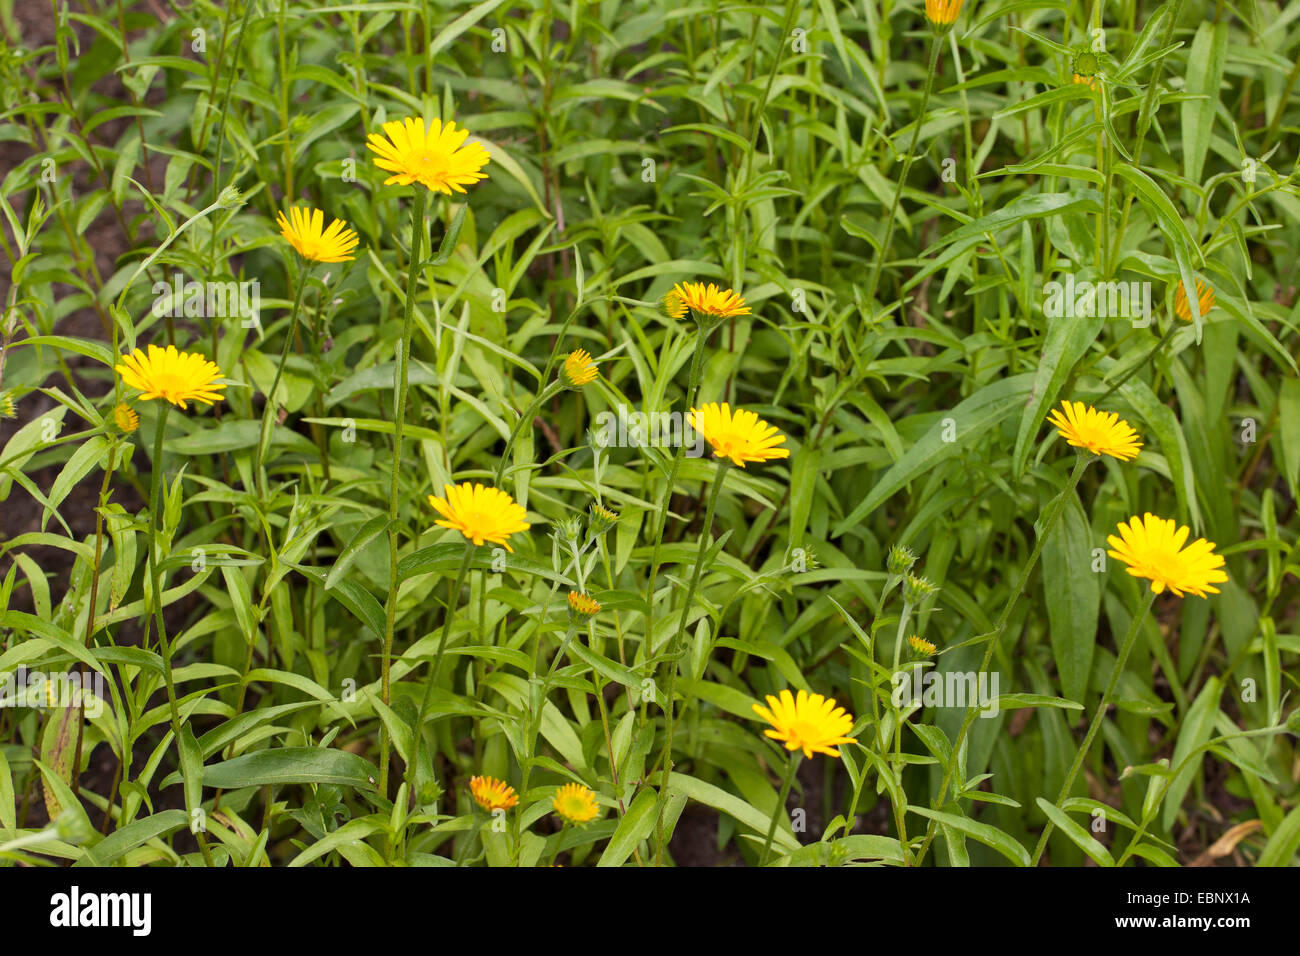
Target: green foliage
(299, 667)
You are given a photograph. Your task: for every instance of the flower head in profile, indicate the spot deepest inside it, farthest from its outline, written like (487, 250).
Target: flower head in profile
(740, 435)
(582, 605)
(809, 722)
(480, 513)
(921, 647)
(1153, 548)
(900, 560)
(492, 794)
(576, 803)
(942, 13)
(706, 301)
(126, 418)
(1204, 299)
(7, 407)
(1102, 433)
(304, 229)
(1088, 81)
(672, 305)
(578, 370)
(435, 156)
(601, 519)
(177, 377)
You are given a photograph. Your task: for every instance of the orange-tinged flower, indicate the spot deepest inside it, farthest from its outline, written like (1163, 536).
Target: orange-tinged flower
(1204, 299)
(178, 377)
(741, 435)
(942, 13)
(583, 605)
(480, 513)
(1153, 548)
(1102, 433)
(810, 722)
(437, 156)
(305, 230)
(492, 794)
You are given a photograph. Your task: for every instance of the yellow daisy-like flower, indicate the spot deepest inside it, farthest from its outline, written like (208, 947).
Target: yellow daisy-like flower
(583, 604)
(1153, 548)
(810, 722)
(942, 13)
(709, 301)
(480, 513)
(921, 646)
(672, 305)
(602, 519)
(578, 370)
(436, 157)
(741, 436)
(1204, 298)
(492, 794)
(305, 230)
(1102, 433)
(576, 803)
(178, 377)
(126, 418)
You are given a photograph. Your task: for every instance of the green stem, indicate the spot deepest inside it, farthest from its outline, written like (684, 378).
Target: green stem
(155, 581)
(399, 425)
(907, 168)
(791, 768)
(269, 413)
(1049, 521)
(674, 652)
(1129, 639)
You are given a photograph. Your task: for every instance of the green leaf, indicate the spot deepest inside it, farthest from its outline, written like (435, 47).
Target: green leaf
(1081, 837)
(988, 835)
(292, 765)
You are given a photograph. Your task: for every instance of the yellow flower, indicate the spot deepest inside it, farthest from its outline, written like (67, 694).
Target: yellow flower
(1088, 81)
(672, 305)
(942, 13)
(492, 794)
(7, 407)
(1102, 433)
(436, 157)
(1153, 548)
(1204, 298)
(126, 418)
(811, 723)
(741, 436)
(578, 370)
(480, 513)
(582, 604)
(704, 300)
(921, 646)
(179, 377)
(602, 519)
(305, 230)
(575, 803)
